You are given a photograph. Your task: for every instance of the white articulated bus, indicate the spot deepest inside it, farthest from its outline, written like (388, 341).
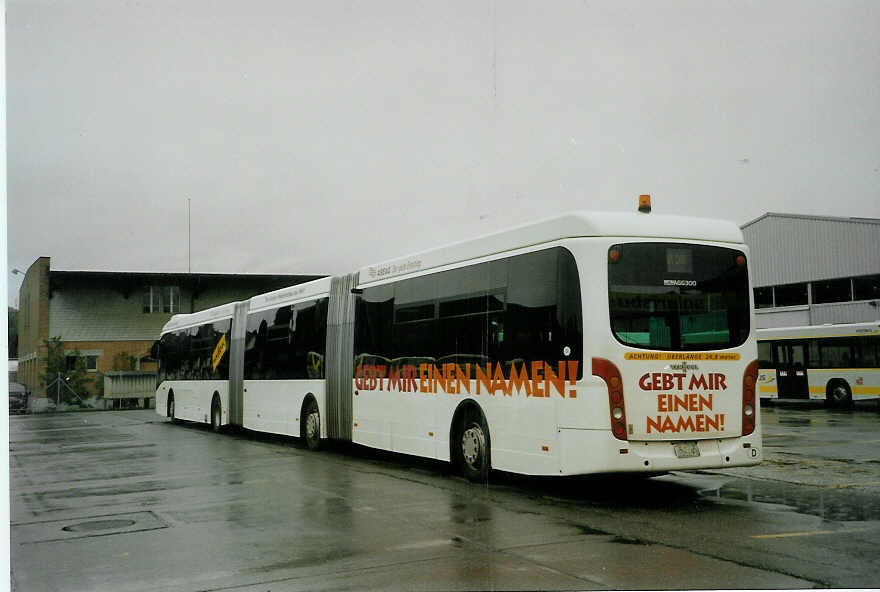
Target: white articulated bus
(834, 363)
(586, 343)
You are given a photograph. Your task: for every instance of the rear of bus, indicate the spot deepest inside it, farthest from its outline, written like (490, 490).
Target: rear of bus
(677, 356)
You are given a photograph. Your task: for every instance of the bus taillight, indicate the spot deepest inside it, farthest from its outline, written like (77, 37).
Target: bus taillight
(749, 409)
(607, 371)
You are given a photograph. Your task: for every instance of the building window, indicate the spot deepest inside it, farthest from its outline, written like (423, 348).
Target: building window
(152, 299)
(162, 299)
(866, 287)
(171, 299)
(832, 291)
(91, 362)
(764, 297)
(791, 295)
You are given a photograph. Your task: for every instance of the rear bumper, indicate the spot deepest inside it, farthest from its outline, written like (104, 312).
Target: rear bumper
(597, 451)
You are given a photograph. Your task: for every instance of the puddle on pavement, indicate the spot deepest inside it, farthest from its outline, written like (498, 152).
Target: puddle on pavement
(795, 421)
(844, 505)
(99, 525)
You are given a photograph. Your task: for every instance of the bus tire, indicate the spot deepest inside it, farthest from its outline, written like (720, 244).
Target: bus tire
(838, 394)
(472, 446)
(170, 411)
(216, 414)
(310, 424)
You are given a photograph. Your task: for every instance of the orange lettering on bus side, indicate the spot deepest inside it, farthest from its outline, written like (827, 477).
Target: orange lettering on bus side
(484, 379)
(424, 380)
(463, 379)
(558, 381)
(537, 380)
(499, 384)
(519, 379)
(438, 379)
(394, 379)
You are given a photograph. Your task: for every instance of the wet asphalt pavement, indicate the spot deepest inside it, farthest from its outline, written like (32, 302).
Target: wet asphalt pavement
(128, 501)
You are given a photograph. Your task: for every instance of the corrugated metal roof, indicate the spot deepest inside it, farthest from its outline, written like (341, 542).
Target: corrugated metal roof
(810, 217)
(791, 248)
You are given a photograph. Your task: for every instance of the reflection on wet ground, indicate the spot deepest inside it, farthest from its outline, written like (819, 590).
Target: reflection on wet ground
(272, 511)
(829, 504)
(673, 492)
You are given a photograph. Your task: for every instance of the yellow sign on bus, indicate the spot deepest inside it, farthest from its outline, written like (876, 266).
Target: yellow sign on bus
(219, 351)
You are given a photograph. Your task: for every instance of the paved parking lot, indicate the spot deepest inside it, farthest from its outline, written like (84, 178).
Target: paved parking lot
(128, 501)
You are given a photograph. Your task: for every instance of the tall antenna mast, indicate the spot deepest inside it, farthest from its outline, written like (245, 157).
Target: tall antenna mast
(494, 56)
(188, 237)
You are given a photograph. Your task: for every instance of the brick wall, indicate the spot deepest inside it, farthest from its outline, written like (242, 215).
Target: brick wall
(33, 325)
(108, 351)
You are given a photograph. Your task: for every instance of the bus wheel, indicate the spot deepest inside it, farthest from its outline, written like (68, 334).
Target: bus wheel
(838, 394)
(216, 416)
(472, 444)
(310, 425)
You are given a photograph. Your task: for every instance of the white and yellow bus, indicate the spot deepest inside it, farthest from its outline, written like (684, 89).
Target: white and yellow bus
(585, 343)
(833, 363)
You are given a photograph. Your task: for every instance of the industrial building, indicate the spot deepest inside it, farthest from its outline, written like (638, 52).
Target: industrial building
(102, 315)
(814, 270)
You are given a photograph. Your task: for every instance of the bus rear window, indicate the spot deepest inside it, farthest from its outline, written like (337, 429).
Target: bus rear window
(678, 297)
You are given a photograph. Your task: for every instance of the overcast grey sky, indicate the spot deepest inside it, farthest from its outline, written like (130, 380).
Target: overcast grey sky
(317, 137)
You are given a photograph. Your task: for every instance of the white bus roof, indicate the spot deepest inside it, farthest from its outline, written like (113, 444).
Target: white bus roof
(315, 288)
(183, 321)
(282, 296)
(841, 330)
(569, 225)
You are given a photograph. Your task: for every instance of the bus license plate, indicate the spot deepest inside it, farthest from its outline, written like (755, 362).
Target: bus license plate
(686, 449)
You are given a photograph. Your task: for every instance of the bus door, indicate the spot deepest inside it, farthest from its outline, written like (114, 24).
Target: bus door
(791, 369)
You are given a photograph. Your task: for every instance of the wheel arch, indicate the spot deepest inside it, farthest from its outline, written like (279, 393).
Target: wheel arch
(829, 390)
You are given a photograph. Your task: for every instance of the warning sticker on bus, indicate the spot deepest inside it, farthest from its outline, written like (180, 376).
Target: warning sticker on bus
(664, 356)
(219, 350)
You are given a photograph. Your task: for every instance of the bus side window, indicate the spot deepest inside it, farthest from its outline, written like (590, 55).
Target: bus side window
(813, 357)
(870, 352)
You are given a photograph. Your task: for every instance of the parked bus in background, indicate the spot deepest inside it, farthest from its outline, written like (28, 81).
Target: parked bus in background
(585, 343)
(833, 363)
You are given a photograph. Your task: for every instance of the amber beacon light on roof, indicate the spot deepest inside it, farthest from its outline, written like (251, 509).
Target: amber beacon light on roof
(645, 204)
